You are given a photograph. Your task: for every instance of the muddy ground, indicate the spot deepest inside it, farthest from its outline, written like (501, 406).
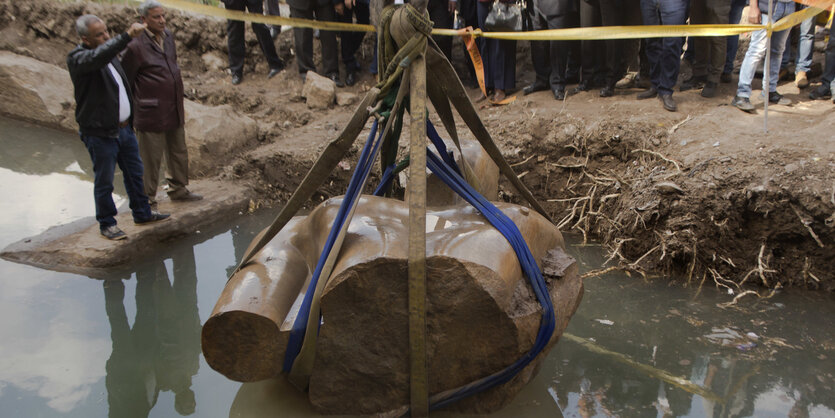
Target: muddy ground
(702, 193)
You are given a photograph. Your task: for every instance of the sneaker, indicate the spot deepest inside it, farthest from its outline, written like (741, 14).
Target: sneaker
(778, 99)
(709, 90)
(628, 81)
(186, 196)
(743, 104)
(820, 93)
(647, 94)
(113, 233)
(692, 83)
(726, 78)
(800, 80)
(155, 217)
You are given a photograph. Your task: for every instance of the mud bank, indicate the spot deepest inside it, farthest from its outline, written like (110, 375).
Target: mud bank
(703, 193)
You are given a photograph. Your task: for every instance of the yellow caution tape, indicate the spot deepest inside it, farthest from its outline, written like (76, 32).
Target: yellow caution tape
(596, 33)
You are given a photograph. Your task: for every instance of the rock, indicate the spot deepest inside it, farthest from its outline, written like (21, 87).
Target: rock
(36, 91)
(345, 98)
(212, 133)
(213, 62)
(318, 91)
(481, 312)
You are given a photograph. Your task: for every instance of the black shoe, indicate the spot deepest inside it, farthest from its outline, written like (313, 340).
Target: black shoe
(350, 79)
(647, 94)
(607, 91)
(336, 80)
(583, 86)
(274, 71)
(668, 102)
(155, 217)
(709, 90)
(692, 83)
(559, 93)
(726, 78)
(820, 93)
(743, 104)
(186, 196)
(113, 233)
(778, 99)
(236, 79)
(303, 76)
(534, 87)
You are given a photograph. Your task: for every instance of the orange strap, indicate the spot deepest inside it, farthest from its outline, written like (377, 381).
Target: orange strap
(475, 56)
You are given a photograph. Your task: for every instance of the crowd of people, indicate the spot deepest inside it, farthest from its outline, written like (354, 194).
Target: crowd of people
(143, 90)
(653, 63)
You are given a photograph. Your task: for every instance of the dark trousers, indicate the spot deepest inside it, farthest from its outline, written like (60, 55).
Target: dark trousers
(351, 41)
(499, 57)
(601, 60)
(467, 11)
(732, 42)
(304, 40)
(550, 58)
(829, 70)
(235, 37)
(664, 54)
(709, 57)
(439, 14)
(106, 153)
(273, 10)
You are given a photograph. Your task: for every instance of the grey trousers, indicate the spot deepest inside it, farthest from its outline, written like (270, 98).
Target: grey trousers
(153, 146)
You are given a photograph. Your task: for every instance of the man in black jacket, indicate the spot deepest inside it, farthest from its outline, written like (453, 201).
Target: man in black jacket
(103, 113)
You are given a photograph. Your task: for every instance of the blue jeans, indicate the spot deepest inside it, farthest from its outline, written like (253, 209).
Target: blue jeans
(664, 54)
(828, 77)
(733, 41)
(106, 153)
(804, 48)
(756, 53)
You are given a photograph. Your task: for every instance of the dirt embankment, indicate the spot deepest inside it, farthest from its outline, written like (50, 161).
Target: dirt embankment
(702, 192)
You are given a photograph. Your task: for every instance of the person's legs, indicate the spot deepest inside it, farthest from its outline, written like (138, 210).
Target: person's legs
(672, 12)
(330, 59)
(506, 64)
(559, 51)
(701, 44)
(778, 44)
(718, 11)
(103, 153)
(274, 10)
(828, 77)
(612, 14)
(152, 145)
(732, 43)
(303, 39)
(263, 35)
(439, 14)
(486, 47)
(540, 55)
(653, 46)
(131, 166)
(589, 17)
(235, 40)
(806, 46)
(177, 161)
(753, 56)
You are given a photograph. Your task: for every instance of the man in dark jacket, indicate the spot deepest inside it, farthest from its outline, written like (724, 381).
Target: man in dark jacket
(550, 58)
(150, 63)
(235, 40)
(323, 10)
(103, 113)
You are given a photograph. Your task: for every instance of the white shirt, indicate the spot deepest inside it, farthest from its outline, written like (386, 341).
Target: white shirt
(124, 103)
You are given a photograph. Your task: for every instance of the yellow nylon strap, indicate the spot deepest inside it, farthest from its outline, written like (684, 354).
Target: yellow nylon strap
(815, 8)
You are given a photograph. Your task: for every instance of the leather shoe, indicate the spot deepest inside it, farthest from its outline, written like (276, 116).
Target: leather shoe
(778, 99)
(274, 72)
(559, 93)
(155, 217)
(647, 94)
(113, 233)
(350, 79)
(607, 91)
(187, 196)
(820, 93)
(668, 102)
(236, 79)
(336, 80)
(583, 86)
(743, 104)
(535, 87)
(709, 90)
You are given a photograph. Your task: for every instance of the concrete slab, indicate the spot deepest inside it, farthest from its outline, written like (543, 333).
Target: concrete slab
(78, 247)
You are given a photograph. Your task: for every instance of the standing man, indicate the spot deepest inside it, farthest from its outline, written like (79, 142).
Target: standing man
(322, 10)
(663, 54)
(235, 40)
(351, 41)
(550, 58)
(758, 13)
(710, 55)
(150, 63)
(103, 113)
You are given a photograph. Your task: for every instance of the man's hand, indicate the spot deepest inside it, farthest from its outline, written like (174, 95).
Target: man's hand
(754, 15)
(451, 6)
(340, 8)
(136, 29)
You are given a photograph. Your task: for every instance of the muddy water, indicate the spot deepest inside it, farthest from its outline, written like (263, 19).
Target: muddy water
(128, 344)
